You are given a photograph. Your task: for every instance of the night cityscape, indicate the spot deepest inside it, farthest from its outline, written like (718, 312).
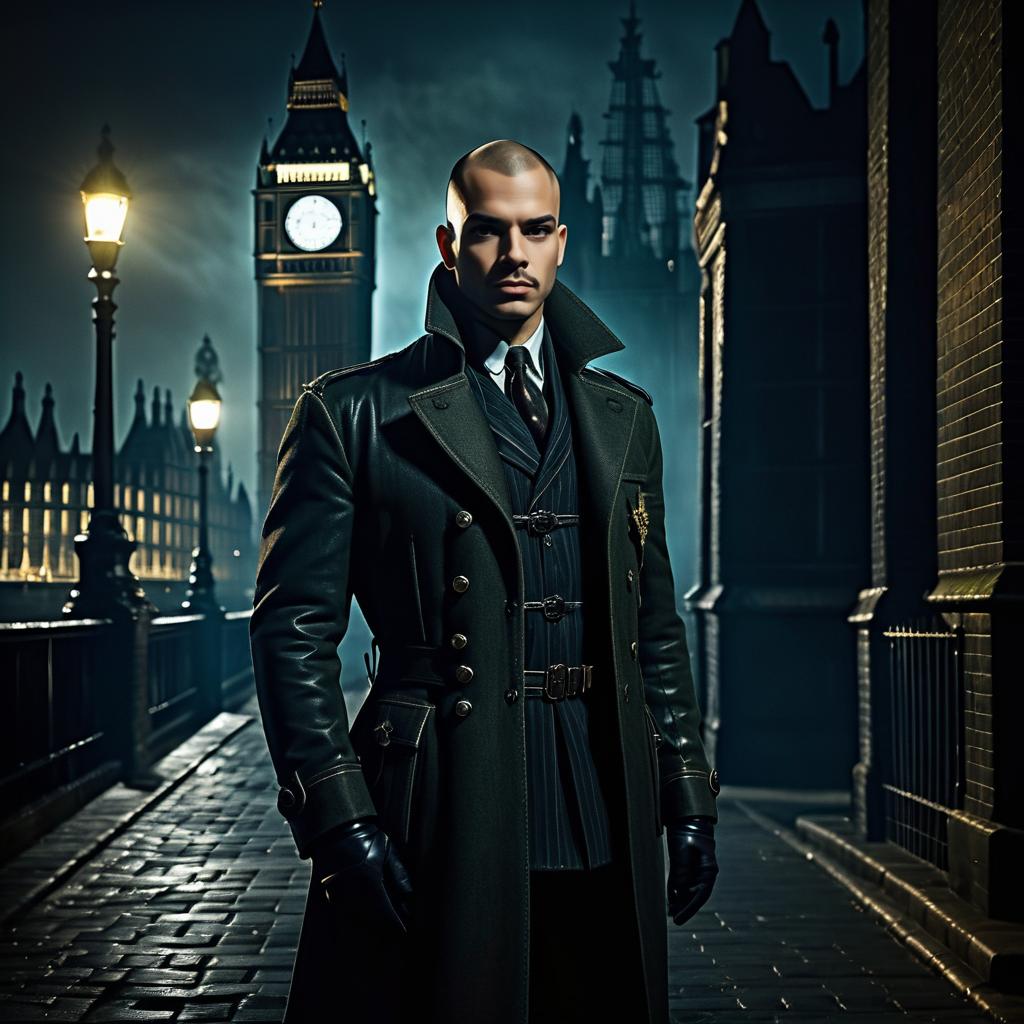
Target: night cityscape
(792, 236)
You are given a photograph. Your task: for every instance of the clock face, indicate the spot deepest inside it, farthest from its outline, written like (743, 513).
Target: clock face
(312, 223)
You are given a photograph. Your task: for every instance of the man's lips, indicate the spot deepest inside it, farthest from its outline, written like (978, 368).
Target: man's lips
(514, 286)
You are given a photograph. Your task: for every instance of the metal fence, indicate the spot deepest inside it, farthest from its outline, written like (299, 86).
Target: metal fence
(84, 702)
(927, 757)
(51, 729)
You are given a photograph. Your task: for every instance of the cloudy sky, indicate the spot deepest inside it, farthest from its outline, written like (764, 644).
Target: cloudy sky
(188, 88)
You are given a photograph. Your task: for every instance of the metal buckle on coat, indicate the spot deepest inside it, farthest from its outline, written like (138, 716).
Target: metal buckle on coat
(540, 521)
(554, 606)
(560, 681)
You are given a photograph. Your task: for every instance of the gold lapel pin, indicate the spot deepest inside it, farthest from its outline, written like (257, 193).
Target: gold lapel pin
(640, 517)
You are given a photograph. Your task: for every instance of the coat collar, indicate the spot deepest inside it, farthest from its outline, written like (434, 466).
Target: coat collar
(579, 335)
(604, 417)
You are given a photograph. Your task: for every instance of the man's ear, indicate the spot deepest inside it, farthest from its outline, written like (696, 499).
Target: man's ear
(563, 234)
(445, 236)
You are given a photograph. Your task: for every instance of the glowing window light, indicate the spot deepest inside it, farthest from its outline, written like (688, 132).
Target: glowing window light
(291, 173)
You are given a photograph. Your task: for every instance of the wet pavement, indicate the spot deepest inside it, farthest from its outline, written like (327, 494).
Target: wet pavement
(191, 912)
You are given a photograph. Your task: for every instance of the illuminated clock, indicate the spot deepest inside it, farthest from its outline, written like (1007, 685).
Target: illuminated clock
(312, 223)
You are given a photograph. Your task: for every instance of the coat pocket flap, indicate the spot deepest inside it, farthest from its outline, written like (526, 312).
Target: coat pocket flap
(400, 721)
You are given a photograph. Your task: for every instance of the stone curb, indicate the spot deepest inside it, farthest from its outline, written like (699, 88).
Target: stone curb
(1001, 1007)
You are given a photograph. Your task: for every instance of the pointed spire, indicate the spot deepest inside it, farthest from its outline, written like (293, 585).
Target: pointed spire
(243, 501)
(47, 441)
(749, 31)
(140, 404)
(16, 437)
(640, 179)
(316, 61)
(154, 417)
(575, 170)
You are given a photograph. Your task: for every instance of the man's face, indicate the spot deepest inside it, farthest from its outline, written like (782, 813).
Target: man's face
(509, 232)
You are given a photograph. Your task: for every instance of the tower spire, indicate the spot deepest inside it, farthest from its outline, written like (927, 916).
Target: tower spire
(639, 176)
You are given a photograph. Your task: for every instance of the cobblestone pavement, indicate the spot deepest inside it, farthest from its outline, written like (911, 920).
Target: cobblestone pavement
(192, 914)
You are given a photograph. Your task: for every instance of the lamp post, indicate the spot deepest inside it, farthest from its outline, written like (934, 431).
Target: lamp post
(106, 585)
(203, 415)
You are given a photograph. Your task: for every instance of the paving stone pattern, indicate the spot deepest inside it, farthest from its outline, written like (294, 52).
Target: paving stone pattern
(193, 912)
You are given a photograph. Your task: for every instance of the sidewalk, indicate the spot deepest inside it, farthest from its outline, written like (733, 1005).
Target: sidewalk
(189, 910)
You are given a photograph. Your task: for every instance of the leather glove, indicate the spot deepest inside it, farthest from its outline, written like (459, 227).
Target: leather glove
(692, 865)
(362, 874)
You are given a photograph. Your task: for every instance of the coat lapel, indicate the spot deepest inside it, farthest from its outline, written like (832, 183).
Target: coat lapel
(511, 435)
(603, 417)
(559, 439)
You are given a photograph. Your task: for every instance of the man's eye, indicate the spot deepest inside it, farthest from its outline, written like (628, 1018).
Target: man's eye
(483, 231)
(540, 231)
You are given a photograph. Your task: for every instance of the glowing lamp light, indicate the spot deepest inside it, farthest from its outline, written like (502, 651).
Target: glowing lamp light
(204, 412)
(105, 214)
(105, 197)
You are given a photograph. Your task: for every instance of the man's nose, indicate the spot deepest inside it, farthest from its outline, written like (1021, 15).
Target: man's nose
(515, 249)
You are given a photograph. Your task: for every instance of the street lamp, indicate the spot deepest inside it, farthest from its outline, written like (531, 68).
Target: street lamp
(203, 416)
(106, 585)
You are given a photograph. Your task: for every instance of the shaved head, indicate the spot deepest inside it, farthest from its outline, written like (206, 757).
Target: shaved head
(502, 240)
(506, 156)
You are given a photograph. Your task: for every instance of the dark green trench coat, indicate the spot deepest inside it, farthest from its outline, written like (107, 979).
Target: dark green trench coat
(378, 466)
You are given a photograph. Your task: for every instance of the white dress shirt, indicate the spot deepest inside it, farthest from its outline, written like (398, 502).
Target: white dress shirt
(495, 362)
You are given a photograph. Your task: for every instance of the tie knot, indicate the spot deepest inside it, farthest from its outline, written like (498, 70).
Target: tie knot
(517, 358)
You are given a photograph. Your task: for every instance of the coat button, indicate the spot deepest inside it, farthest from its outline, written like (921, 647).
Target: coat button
(713, 782)
(463, 673)
(629, 578)
(458, 641)
(511, 695)
(460, 584)
(463, 518)
(463, 708)
(440, 403)
(632, 650)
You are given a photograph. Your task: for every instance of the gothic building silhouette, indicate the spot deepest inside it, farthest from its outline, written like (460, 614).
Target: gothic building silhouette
(46, 493)
(632, 261)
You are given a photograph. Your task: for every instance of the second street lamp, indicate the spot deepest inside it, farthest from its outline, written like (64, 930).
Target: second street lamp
(204, 416)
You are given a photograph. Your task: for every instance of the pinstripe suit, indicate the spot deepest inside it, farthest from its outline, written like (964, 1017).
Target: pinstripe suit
(568, 817)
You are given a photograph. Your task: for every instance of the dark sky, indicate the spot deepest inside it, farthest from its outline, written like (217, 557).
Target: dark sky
(187, 88)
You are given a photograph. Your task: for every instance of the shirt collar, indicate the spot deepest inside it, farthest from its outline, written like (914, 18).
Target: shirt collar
(495, 362)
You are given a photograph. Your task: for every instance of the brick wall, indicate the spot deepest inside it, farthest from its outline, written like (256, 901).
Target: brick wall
(970, 283)
(878, 259)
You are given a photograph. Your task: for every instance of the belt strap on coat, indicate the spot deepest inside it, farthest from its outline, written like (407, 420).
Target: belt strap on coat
(540, 521)
(560, 681)
(554, 606)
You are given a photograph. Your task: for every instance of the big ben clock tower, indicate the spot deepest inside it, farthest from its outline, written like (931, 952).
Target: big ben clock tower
(315, 245)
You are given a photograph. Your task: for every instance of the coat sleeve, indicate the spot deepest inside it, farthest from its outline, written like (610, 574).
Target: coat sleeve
(687, 784)
(301, 610)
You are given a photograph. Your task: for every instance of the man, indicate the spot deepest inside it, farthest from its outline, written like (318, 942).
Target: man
(486, 839)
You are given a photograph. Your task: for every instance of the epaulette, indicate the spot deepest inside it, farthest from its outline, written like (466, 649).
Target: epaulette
(317, 384)
(622, 380)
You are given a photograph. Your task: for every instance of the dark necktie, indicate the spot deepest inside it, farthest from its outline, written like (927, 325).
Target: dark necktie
(525, 395)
